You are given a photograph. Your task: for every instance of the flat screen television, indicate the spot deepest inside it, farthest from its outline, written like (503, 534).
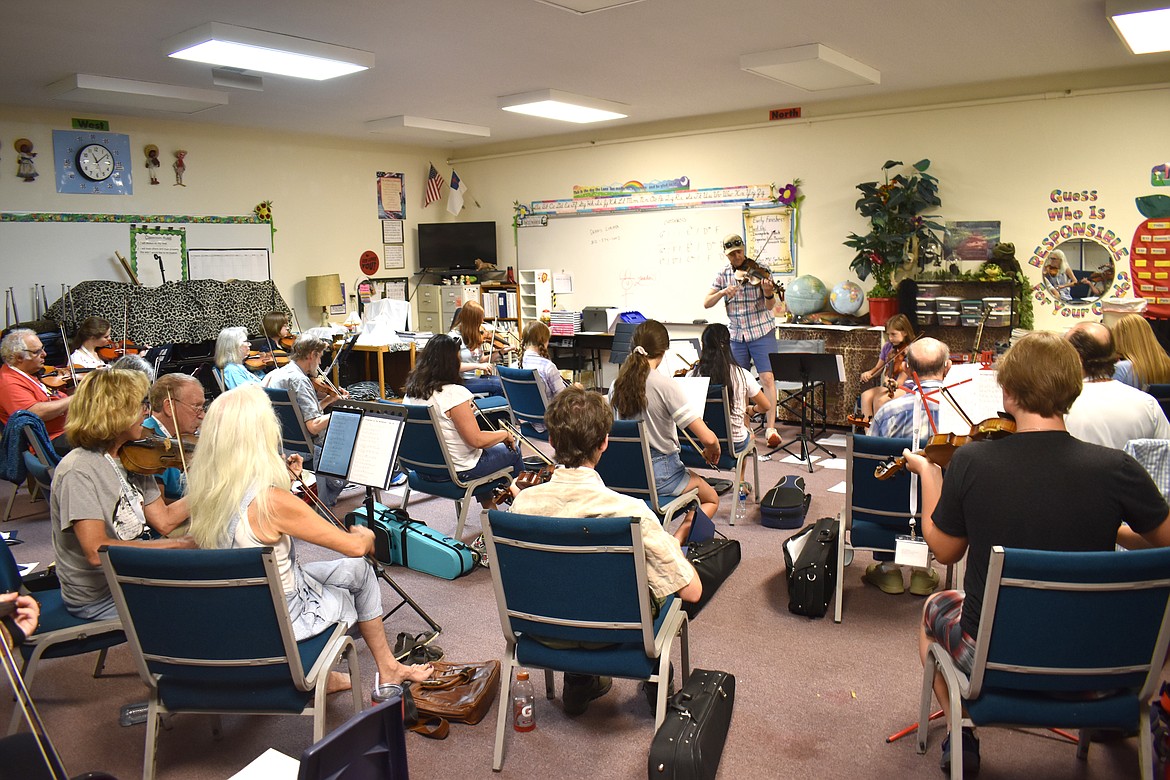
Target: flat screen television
(456, 245)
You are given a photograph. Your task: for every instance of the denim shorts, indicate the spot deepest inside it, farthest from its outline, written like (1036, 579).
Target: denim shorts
(670, 475)
(747, 352)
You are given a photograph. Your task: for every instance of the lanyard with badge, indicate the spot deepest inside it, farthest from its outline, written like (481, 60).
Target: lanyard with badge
(129, 518)
(911, 549)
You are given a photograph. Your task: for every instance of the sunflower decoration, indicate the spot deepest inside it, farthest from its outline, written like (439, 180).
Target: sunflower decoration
(263, 210)
(790, 197)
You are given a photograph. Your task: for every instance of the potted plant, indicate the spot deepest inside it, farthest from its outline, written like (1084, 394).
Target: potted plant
(897, 226)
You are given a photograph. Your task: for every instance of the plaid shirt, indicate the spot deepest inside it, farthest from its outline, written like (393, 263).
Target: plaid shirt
(748, 317)
(896, 418)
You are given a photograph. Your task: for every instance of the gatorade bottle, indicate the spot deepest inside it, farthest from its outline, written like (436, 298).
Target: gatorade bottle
(523, 703)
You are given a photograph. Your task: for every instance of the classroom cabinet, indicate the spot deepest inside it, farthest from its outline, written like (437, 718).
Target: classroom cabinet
(437, 304)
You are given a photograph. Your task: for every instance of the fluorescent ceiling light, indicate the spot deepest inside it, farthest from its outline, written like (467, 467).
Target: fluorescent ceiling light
(813, 68)
(124, 93)
(583, 7)
(390, 124)
(1144, 25)
(565, 106)
(240, 47)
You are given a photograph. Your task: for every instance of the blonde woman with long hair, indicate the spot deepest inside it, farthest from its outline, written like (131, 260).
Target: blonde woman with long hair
(238, 489)
(1143, 362)
(642, 392)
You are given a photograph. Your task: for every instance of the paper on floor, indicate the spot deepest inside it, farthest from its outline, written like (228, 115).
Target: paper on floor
(838, 488)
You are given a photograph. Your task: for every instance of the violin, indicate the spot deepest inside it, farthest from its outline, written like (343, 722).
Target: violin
(940, 447)
(266, 361)
(56, 378)
(526, 479)
(110, 353)
(751, 272)
(155, 455)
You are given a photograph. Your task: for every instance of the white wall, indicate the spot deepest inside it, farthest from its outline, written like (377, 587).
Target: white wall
(322, 191)
(998, 161)
(995, 161)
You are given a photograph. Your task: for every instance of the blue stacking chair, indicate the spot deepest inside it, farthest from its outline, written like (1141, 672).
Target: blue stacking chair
(626, 468)
(295, 438)
(717, 416)
(527, 398)
(210, 633)
(429, 469)
(877, 511)
(1066, 639)
(578, 580)
(59, 633)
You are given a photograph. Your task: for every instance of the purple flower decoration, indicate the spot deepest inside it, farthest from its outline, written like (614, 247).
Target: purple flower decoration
(787, 195)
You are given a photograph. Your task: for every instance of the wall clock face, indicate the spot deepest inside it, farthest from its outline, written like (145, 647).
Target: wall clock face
(92, 163)
(95, 162)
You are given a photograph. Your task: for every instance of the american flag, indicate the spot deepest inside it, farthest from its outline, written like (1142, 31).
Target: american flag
(434, 184)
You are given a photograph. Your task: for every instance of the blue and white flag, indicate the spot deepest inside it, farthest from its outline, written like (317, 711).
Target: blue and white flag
(455, 193)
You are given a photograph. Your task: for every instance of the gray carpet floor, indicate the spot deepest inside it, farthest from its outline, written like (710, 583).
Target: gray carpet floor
(814, 698)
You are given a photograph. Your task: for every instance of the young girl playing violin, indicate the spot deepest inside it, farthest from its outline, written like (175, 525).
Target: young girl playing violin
(641, 392)
(534, 342)
(91, 334)
(716, 362)
(899, 334)
(467, 330)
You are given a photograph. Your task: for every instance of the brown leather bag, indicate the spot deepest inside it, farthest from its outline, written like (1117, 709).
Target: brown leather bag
(462, 693)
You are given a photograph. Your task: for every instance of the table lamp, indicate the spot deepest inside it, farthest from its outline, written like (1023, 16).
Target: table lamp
(322, 292)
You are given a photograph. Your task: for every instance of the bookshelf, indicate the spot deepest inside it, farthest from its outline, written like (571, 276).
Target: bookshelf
(501, 306)
(535, 293)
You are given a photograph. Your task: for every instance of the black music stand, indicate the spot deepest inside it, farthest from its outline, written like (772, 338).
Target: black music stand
(361, 446)
(810, 369)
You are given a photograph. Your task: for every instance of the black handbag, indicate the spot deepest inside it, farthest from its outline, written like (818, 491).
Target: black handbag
(714, 561)
(690, 742)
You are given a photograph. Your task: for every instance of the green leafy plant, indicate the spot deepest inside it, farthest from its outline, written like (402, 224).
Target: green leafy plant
(897, 224)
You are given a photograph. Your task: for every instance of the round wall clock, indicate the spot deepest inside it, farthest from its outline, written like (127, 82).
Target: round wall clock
(95, 162)
(92, 163)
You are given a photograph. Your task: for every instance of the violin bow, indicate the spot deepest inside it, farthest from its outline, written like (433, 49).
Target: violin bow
(68, 359)
(25, 702)
(509, 428)
(178, 433)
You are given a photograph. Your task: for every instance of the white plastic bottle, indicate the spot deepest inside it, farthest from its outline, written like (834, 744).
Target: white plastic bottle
(741, 503)
(523, 703)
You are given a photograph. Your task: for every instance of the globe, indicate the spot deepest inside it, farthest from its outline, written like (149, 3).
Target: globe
(805, 295)
(846, 298)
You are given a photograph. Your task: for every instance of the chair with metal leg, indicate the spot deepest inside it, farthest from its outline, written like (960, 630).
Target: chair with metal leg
(1066, 639)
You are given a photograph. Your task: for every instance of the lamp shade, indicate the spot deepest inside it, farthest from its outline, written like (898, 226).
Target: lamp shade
(323, 291)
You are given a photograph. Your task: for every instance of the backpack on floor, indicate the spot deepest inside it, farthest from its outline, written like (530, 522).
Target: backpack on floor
(786, 504)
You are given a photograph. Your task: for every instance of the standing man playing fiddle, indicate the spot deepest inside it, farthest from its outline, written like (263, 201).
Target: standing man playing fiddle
(24, 357)
(750, 320)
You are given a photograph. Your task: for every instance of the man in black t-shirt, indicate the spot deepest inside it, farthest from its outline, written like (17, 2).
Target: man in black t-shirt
(1038, 489)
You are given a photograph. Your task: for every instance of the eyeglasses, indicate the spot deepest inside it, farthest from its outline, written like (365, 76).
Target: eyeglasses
(732, 244)
(34, 352)
(198, 409)
(146, 408)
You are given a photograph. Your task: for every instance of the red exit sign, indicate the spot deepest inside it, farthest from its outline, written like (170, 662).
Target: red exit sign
(784, 113)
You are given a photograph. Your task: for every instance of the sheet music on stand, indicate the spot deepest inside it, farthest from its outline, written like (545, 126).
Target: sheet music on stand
(361, 442)
(980, 398)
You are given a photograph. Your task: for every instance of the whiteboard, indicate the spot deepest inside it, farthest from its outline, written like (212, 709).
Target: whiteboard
(81, 247)
(660, 263)
(225, 264)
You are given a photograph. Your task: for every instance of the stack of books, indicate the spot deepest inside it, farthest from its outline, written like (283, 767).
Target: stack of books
(565, 323)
